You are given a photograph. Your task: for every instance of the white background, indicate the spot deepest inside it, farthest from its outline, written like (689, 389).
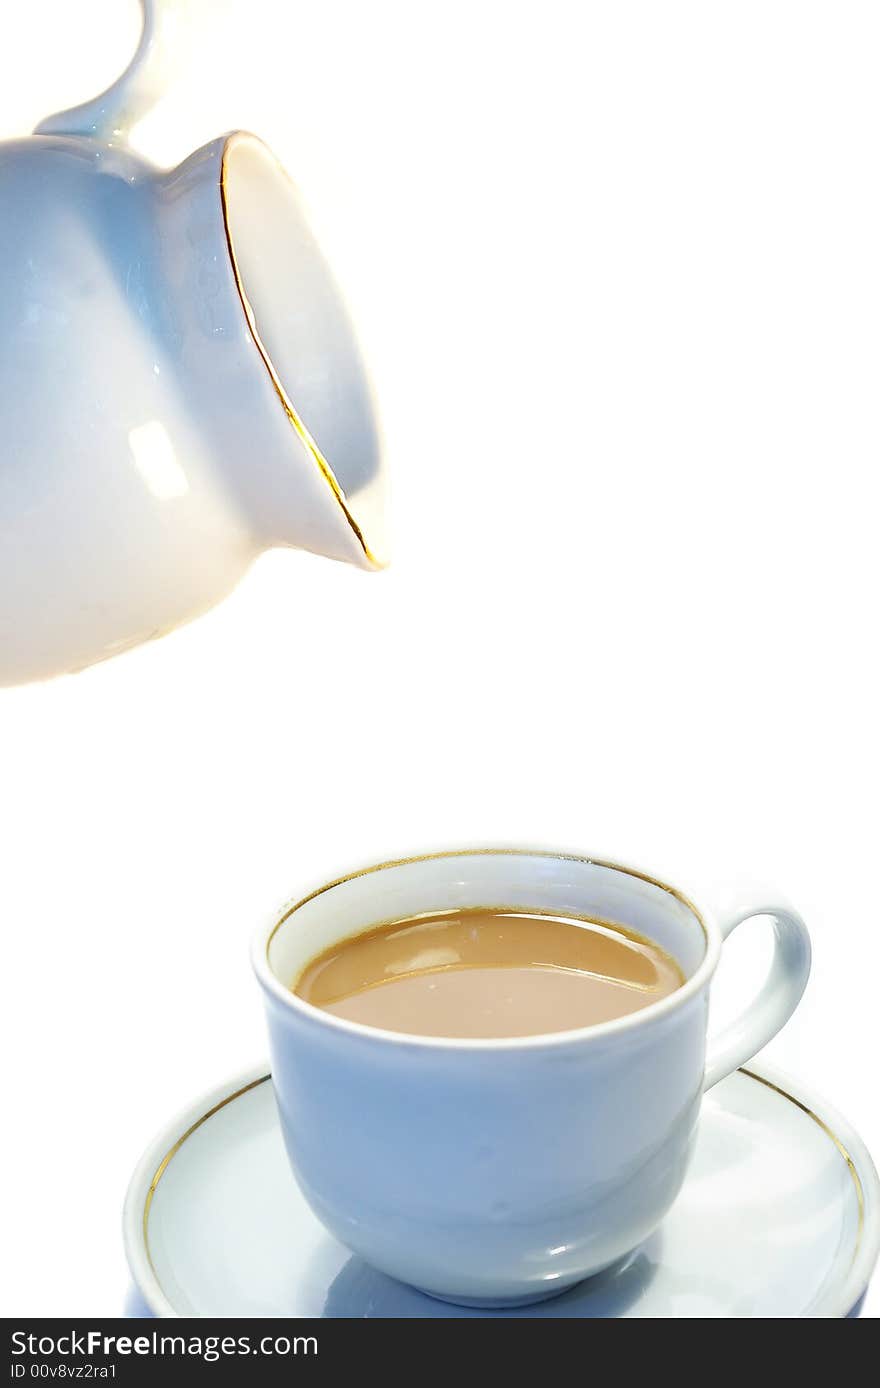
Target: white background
(616, 269)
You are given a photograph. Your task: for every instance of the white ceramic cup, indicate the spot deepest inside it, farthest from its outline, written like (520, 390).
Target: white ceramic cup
(498, 1172)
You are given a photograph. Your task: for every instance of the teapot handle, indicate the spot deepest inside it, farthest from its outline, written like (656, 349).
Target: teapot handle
(111, 115)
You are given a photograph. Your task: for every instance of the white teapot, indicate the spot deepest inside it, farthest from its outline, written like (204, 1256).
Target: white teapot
(180, 385)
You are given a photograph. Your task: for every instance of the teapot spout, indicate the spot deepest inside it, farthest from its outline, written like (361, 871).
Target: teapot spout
(302, 332)
(291, 413)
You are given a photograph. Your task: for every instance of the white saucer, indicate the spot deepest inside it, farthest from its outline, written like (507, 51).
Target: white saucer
(779, 1217)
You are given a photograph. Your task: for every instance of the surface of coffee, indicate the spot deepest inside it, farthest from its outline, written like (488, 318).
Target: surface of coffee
(487, 972)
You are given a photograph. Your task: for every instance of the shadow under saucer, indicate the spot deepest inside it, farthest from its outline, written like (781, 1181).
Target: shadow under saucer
(135, 1307)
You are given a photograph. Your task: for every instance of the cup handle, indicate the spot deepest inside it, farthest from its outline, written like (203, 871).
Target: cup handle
(776, 1000)
(111, 115)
